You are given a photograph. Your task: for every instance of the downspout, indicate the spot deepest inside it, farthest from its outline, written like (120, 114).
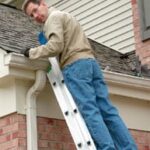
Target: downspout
(32, 138)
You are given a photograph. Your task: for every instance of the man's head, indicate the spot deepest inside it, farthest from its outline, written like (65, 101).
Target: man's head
(37, 9)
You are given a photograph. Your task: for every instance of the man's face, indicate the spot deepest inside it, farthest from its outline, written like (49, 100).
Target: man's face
(39, 12)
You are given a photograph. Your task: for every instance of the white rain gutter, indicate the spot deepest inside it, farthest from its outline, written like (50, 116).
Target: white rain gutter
(32, 138)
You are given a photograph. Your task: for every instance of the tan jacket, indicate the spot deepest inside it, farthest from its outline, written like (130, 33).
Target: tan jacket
(66, 39)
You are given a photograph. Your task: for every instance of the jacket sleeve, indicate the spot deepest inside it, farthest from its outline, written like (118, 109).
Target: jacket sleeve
(54, 32)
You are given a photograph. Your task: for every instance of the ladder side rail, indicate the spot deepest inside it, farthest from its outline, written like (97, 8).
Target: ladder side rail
(81, 123)
(67, 113)
(67, 94)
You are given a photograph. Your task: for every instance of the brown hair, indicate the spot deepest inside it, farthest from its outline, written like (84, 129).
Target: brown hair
(26, 2)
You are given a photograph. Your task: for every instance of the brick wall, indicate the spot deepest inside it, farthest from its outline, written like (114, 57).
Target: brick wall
(53, 134)
(142, 48)
(142, 138)
(13, 132)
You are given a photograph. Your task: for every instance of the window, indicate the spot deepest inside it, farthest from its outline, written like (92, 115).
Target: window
(144, 10)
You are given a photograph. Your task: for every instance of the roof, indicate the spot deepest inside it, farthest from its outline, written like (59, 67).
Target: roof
(19, 32)
(115, 61)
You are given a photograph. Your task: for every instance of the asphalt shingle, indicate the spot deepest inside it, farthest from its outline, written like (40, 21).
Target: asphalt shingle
(16, 30)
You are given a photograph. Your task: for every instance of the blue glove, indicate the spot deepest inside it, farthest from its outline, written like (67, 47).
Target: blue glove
(42, 39)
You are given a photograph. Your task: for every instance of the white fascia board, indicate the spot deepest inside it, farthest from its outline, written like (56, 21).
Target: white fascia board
(21, 67)
(128, 86)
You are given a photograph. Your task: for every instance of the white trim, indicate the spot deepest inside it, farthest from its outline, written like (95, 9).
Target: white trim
(23, 67)
(19, 61)
(129, 86)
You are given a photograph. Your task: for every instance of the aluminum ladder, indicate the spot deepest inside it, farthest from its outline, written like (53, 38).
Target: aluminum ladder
(74, 120)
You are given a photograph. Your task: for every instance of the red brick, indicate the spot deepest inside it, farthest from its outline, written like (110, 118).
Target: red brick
(41, 128)
(8, 145)
(51, 137)
(22, 134)
(148, 136)
(69, 146)
(43, 136)
(43, 143)
(67, 138)
(4, 122)
(4, 138)
(142, 139)
(61, 123)
(22, 142)
(143, 147)
(1, 132)
(49, 129)
(22, 148)
(10, 128)
(15, 135)
(13, 118)
(45, 148)
(46, 121)
(56, 145)
(21, 118)
(22, 126)
(133, 2)
(58, 129)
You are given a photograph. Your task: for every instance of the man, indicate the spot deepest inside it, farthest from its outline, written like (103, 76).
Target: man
(82, 75)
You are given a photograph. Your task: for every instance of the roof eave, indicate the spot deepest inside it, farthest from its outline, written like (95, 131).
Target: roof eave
(128, 86)
(119, 84)
(19, 66)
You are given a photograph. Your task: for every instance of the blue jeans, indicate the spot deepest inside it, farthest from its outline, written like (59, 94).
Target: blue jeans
(85, 81)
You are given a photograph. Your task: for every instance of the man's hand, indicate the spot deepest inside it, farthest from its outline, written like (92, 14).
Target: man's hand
(25, 52)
